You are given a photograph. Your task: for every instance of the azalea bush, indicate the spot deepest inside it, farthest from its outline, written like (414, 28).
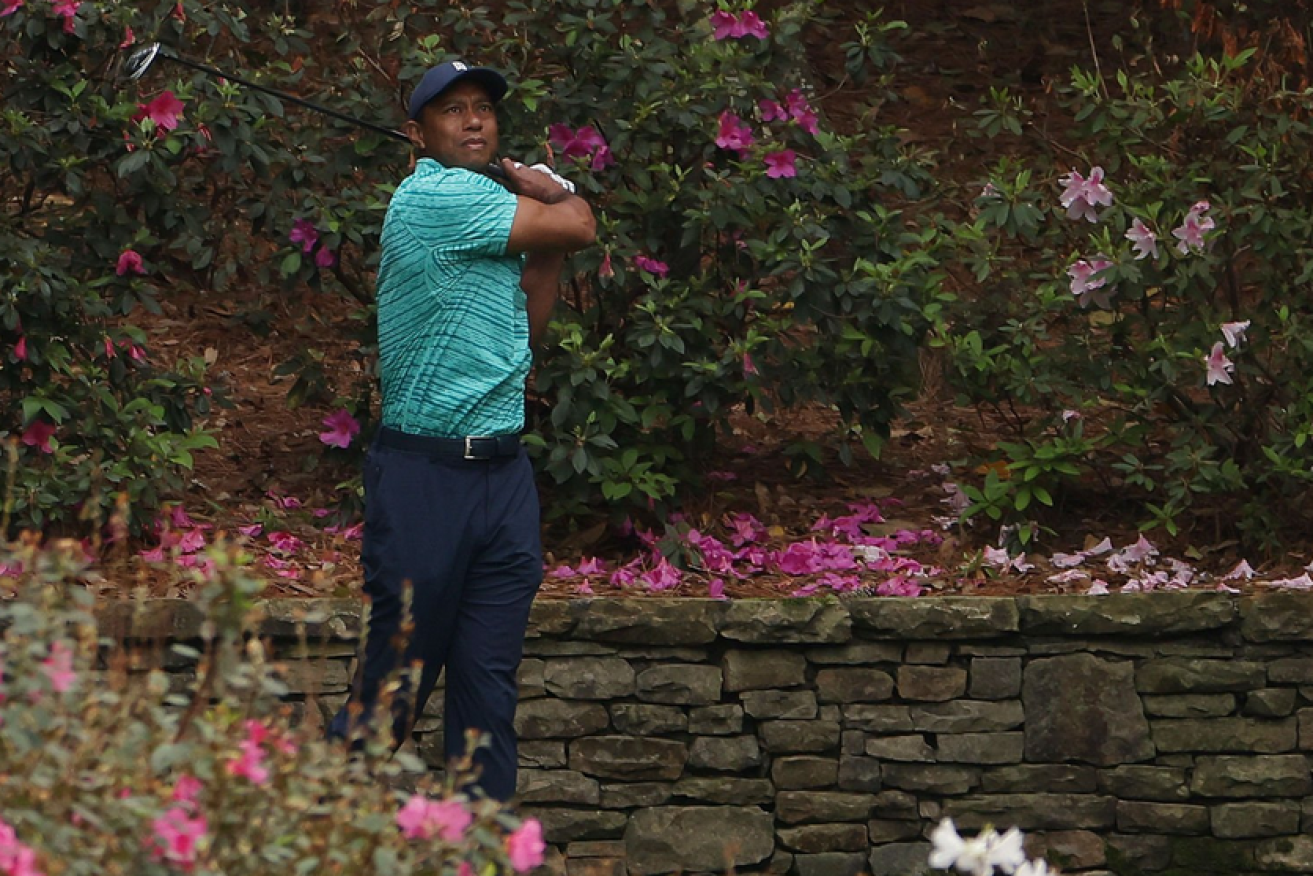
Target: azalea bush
(750, 255)
(1136, 322)
(110, 765)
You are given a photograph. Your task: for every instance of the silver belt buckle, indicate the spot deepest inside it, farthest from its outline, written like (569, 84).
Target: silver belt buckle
(469, 446)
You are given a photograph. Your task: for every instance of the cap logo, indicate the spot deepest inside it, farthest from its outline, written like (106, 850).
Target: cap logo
(459, 65)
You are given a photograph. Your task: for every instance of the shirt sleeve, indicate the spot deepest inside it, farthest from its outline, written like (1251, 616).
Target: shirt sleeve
(460, 214)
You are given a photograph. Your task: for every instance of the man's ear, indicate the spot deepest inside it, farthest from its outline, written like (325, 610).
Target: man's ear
(412, 130)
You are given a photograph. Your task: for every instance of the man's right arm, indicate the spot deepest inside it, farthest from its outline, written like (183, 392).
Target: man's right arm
(547, 217)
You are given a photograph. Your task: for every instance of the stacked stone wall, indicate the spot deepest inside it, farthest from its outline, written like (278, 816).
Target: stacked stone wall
(1144, 733)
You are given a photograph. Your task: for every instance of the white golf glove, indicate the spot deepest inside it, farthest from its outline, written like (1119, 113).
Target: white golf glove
(560, 180)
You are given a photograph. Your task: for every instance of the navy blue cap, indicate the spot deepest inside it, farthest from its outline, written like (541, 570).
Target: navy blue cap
(443, 76)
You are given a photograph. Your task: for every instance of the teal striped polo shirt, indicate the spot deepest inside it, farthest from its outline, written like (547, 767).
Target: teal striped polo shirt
(453, 332)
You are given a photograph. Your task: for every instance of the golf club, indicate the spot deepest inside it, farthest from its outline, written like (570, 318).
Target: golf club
(142, 59)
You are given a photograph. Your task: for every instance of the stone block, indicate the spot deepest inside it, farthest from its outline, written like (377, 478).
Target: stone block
(1287, 854)
(857, 653)
(943, 617)
(562, 825)
(1291, 670)
(631, 795)
(1161, 784)
(725, 753)
(1132, 853)
(995, 678)
(1033, 811)
(647, 621)
(550, 718)
(589, 678)
(1186, 675)
(594, 866)
(882, 830)
(1082, 708)
(646, 719)
(1253, 819)
(627, 757)
(543, 754)
(819, 838)
(900, 859)
(803, 772)
(877, 719)
(529, 678)
(1226, 734)
(892, 803)
(1282, 616)
(933, 653)
(763, 670)
(967, 716)
(680, 684)
(1172, 818)
(677, 839)
(720, 720)
(940, 779)
(787, 704)
(822, 807)
(1068, 849)
(852, 742)
(980, 748)
(1305, 719)
(853, 685)
(320, 619)
(566, 648)
(904, 748)
(778, 621)
(931, 683)
(596, 849)
(859, 774)
(1131, 614)
(315, 676)
(830, 864)
(1272, 702)
(557, 786)
(1282, 775)
(802, 737)
(1189, 705)
(725, 790)
(551, 617)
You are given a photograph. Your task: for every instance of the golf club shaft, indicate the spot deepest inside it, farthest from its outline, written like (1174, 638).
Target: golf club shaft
(282, 95)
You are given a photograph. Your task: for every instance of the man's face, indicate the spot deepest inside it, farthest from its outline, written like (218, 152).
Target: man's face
(458, 128)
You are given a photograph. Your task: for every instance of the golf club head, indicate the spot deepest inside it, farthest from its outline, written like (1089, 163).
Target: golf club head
(140, 61)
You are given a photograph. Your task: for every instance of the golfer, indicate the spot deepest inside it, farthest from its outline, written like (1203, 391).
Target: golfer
(469, 272)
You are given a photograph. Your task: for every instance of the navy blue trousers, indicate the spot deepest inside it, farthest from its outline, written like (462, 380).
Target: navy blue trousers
(464, 535)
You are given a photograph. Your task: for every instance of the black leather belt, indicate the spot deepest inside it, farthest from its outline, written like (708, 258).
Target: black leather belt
(471, 447)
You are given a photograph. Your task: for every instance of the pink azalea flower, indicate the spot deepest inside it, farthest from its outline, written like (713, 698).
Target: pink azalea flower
(38, 435)
(840, 583)
(989, 191)
(651, 265)
(20, 349)
(801, 111)
(1234, 332)
(58, 667)
(304, 232)
(250, 765)
(1080, 195)
(1191, 231)
(749, 367)
(285, 542)
(899, 586)
(781, 164)
(584, 589)
(525, 846)
(192, 541)
(799, 558)
(562, 572)
(605, 269)
(1143, 240)
(342, 427)
(724, 25)
(178, 838)
(1243, 572)
(592, 566)
(746, 529)
(1219, 367)
(1085, 284)
(186, 789)
(68, 9)
(287, 503)
(771, 111)
(10, 7)
(716, 588)
(128, 38)
(752, 25)
(165, 110)
(734, 134)
(154, 555)
(251, 531)
(425, 819)
(324, 258)
(130, 262)
(662, 577)
(1098, 587)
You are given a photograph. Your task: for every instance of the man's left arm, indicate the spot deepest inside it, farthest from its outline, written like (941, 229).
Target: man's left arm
(541, 281)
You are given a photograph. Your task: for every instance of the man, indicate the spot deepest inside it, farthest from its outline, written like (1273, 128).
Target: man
(468, 276)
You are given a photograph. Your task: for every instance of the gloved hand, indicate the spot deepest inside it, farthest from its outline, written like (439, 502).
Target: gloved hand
(560, 180)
